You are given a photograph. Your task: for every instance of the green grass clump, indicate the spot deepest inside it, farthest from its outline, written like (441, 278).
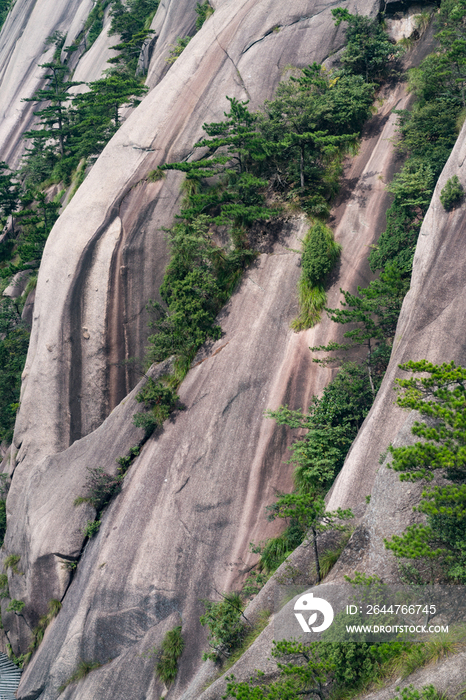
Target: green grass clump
(329, 558)
(275, 550)
(84, 668)
(11, 562)
(320, 253)
(39, 631)
(171, 649)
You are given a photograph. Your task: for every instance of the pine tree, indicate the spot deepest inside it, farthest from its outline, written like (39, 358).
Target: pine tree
(9, 192)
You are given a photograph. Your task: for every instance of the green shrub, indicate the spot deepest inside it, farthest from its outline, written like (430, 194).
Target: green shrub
(92, 528)
(177, 49)
(320, 252)
(15, 605)
(100, 488)
(223, 620)
(160, 400)
(427, 692)
(203, 11)
(10, 563)
(452, 193)
(126, 461)
(171, 649)
(249, 638)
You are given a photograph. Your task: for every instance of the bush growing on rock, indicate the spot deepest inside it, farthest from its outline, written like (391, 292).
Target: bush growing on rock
(11, 562)
(452, 193)
(223, 620)
(100, 489)
(320, 253)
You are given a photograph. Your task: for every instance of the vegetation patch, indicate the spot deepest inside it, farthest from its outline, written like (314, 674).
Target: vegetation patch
(223, 620)
(166, 667)
(92, 528)
(100, 489)
(84, 668)
(320, 252)
(11, 562)
(437, 547)
(39, 631)
(452, 193)
(177, 49)
(203, 11)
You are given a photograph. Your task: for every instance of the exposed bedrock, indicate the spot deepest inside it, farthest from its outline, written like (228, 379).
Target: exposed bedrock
(164, 545)
(109, 236)
(194, 498)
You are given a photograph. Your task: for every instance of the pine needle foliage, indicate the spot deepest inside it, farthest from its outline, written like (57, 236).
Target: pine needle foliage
(223, 619)
(439, 395)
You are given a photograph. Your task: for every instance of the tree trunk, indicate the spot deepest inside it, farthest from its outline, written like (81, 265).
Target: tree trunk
(316, 554)
(369, 367)
(302, 167)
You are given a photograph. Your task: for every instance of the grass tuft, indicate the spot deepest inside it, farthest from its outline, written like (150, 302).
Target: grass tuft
(84, 668)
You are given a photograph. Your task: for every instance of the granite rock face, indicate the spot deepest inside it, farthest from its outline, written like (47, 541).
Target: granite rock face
(195, 497)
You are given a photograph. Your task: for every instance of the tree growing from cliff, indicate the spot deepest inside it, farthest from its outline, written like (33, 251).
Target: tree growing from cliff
(309, 511)
(10, 190)
(303, 672)
(375, 310)
(440, 398)
(368, 51)
(49, 140)
(308, 127)
(131, 22)
(332, 422)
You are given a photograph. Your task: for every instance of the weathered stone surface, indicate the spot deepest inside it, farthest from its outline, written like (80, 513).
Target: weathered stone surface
(18, 284)
(221, 437)
(195, 497)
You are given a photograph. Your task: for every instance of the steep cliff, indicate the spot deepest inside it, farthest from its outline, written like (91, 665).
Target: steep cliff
(195, 496)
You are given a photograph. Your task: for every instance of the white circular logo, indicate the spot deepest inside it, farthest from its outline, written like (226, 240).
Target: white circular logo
(308, 603)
